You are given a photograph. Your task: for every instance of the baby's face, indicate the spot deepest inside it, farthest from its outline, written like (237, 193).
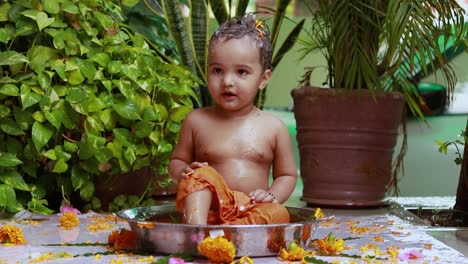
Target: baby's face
(235, 73)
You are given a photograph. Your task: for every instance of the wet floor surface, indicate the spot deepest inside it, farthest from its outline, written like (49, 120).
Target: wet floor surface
(368, 233)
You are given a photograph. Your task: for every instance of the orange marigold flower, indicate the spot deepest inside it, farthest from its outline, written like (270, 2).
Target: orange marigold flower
(68, 220)
(217, 250)
(123, 239)
(329, 245)
(294, 253)
(12, 234)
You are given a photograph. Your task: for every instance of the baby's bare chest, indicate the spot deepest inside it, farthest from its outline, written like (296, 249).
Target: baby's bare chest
(247, 145)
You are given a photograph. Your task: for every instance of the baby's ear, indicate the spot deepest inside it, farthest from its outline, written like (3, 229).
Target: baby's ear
(265, 79)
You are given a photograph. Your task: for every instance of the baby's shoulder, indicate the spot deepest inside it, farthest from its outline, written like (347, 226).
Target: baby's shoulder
(271, 120)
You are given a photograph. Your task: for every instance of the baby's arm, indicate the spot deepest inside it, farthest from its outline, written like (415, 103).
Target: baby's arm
(182, 155)
(284, 169)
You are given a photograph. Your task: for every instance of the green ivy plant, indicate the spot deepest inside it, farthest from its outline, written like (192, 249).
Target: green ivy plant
(81, 97)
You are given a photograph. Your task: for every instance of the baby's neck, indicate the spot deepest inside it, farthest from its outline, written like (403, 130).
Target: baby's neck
(242, 113)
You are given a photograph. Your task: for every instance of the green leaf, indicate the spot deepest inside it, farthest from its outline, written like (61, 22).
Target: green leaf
(4, 111)
(55, 117)
(75, 77)
(218, 7)
(78, 177)
(43, 20)
(9, 160)
(51, 6)
(87, 69)
(179, 113)
(50, 154)
(126, 109)
(123, 136)
(104, 20)
(71, 147)
(143, 129)
(76, 95)
(12, 57)
(14, 179)
(5, 35)
(4, 9)
(41, 134)
(70, 7)
(9, 89)
(10, 127)
(29, 98)
(7, 195)
(87, 191)
(114, 66)
(129, 154)
(130, 3)
(39, 116)
(164, 147)
(60, 166)
(101, 58)
(39, 206)
(40, 56)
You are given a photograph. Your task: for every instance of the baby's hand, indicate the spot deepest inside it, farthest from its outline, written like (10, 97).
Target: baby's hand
(262, 196)
(190, 169)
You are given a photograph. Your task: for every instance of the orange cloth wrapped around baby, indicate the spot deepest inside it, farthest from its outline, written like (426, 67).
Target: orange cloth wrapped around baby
(228, 206)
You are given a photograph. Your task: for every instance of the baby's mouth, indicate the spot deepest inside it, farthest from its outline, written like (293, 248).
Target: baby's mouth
(228, 94)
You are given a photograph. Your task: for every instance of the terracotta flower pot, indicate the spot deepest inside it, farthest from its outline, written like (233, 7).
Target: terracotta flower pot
(346, 141)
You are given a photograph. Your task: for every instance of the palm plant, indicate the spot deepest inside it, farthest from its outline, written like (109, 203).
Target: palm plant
(384, 45)
(192, 40)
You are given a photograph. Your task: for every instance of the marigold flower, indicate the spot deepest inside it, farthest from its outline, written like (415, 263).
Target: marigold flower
(330, 245)
(217, 250)
(293, 253)
(68, 220)
(319, 214)
(244, 260)
(12, 234)
(123, 239)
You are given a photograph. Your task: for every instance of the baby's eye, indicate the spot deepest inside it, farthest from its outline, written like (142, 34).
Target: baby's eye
(242, 72)
(217, 70)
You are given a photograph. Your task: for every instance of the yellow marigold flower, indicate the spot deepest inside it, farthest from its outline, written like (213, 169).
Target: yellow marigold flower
(217, 250)
(12, 234)
(294, 253)
(244, 260)
(392, 251)
(330, 245)
(319, 214)
(68, 220)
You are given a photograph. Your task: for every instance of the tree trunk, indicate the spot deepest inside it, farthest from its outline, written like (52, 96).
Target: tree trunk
(461, 202)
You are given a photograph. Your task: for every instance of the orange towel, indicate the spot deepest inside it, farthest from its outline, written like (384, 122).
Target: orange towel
(228, 206)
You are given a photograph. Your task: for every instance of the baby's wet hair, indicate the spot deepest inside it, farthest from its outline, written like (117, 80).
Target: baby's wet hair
(256, 30)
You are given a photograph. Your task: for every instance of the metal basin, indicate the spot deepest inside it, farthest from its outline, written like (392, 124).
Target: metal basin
(158, 232)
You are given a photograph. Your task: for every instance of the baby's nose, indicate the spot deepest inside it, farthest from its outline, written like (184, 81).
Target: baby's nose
(228, 80)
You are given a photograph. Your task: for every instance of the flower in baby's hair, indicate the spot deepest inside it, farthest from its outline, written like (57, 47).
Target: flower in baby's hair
(123, 239)
(217, 250)
(176, 260)
(412, 254)
(294, 252)
(11, 234)
(259, 27)
(329, 245)
(69, 208)
(68, 220)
